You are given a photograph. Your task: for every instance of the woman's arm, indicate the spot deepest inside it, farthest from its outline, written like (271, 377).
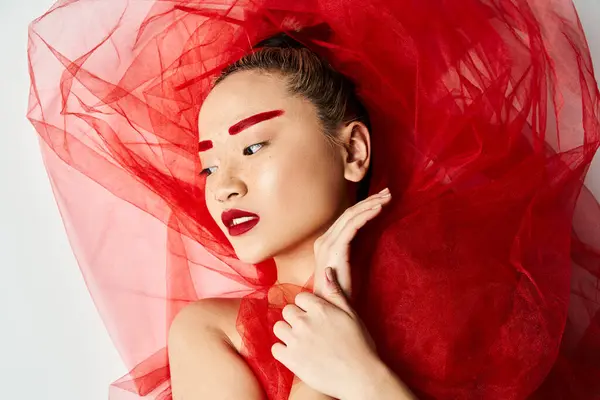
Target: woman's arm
(203, 364)
(379, 383)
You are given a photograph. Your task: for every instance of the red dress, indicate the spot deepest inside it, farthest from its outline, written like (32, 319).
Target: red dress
(479, 281)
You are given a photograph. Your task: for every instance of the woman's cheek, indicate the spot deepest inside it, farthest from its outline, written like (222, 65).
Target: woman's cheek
(265, 178)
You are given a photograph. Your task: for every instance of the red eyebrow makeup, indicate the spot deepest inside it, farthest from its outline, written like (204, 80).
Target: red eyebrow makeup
(205, 145)
(253, 120)
(243, 124)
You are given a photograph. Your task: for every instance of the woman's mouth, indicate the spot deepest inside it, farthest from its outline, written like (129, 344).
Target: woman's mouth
(238, 221)
(242, 226)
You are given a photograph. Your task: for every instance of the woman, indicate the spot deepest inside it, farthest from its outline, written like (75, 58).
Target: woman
(314, 148)
(477, 280)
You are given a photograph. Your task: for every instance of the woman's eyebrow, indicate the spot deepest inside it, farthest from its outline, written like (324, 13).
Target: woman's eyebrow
(253, 120)
(246, 123)
(205, 145)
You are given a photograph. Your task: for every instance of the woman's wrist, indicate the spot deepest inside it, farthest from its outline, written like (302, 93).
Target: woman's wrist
(378, 382)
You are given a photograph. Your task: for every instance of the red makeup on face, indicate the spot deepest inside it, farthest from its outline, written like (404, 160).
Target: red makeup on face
(253, 120)
(205, 145)
(243, 124)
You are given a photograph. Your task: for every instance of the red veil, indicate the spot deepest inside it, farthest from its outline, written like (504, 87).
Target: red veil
(481, 278)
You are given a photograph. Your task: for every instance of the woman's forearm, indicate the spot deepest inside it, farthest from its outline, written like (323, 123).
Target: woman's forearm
(380, 383)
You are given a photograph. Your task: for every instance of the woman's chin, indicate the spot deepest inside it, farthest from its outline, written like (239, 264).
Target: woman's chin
(254, 255)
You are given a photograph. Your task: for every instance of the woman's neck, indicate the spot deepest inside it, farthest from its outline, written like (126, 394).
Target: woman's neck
(296, 267)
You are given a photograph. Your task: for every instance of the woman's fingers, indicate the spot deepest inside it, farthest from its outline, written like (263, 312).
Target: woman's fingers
(283, 331)
(343, 239)
(332, 248)
(349, 230)
(292, 312)
(380, 198)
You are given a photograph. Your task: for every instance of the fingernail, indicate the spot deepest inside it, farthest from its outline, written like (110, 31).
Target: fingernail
(329, 274)
(386, 190)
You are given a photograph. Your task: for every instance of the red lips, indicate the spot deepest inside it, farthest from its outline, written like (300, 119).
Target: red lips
(234, 230)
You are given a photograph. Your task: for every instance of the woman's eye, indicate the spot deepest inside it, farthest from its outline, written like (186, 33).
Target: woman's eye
(206, 171)
(248, 151)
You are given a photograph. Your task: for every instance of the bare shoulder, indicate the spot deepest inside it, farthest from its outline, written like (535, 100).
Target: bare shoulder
(203, 360)
(217, 314)
(206, 330)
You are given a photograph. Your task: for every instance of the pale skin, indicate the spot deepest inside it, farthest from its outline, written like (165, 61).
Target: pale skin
(322, 340)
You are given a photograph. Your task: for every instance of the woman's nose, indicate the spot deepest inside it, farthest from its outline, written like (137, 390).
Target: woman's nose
(228, 188)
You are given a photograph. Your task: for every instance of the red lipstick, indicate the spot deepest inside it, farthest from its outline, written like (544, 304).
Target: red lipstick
(236, 227)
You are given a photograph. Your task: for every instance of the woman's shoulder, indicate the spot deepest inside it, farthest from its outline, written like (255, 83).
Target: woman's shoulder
(215, 315)
(218, 317)
(203, 360)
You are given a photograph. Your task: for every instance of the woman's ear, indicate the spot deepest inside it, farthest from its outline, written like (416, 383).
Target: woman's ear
(356, 140)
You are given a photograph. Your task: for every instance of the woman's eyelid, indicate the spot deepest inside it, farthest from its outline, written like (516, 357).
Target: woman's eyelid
(256, 144)
(205, 171)
(261, 144)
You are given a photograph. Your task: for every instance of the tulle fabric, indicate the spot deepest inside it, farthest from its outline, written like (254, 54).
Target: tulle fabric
(479, 281)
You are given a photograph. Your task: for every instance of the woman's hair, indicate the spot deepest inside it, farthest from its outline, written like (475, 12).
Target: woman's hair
(308, 75)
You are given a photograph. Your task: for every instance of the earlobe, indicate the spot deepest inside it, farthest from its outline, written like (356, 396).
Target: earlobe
(358, 151)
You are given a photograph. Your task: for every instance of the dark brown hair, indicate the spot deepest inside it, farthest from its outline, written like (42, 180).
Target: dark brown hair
(310, 76)
(307, 75)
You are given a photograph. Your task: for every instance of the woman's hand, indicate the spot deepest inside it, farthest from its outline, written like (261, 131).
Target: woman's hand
(325, 344)
(332, 249)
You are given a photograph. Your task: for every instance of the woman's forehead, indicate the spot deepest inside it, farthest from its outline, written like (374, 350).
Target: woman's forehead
(240, 97)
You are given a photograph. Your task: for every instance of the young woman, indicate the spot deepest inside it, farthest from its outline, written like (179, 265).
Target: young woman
(302, 145)
(216, 161)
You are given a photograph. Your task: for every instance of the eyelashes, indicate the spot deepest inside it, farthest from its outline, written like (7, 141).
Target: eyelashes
(206, 171)
(248, 151)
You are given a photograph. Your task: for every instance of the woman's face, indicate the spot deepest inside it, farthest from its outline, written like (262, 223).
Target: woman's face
(265, 153)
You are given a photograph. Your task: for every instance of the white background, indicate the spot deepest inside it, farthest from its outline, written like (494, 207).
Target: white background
(52, 342)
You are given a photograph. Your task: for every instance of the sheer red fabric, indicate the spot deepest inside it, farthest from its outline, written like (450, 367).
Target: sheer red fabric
(480, 280)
